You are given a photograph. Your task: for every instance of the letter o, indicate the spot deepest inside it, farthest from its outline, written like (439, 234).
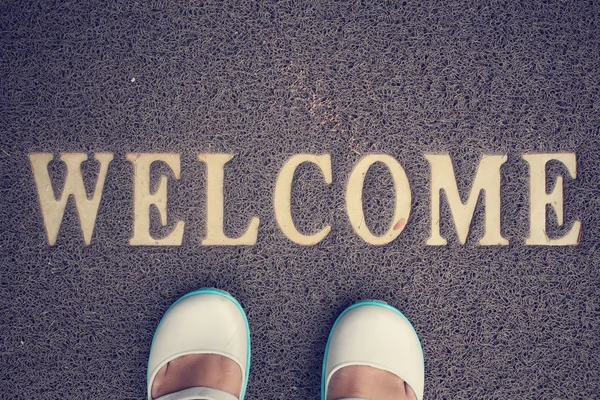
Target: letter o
(354, 203)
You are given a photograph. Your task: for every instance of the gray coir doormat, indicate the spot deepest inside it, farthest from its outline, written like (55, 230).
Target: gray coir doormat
(329, 129)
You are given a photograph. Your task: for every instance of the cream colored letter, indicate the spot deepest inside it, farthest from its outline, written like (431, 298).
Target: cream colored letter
(143, 199)
(487, 178)
(354, 204)
(215, 164)
(52, 209)
(283, 197)
(538, 198)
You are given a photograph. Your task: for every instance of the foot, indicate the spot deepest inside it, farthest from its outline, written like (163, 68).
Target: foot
(205, 370)
(367, 340)
(208, 320)
(361, 381)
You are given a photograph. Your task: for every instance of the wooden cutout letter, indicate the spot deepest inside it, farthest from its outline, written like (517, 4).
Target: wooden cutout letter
(283, 195)
(143, 199)
(538, 198)
(487, 178)
(215, 164)
(53, 210)
(354, 204)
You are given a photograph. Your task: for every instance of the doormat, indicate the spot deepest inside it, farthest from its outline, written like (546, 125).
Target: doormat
(440, 156)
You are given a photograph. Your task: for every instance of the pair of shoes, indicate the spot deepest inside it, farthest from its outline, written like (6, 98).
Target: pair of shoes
(210, 321)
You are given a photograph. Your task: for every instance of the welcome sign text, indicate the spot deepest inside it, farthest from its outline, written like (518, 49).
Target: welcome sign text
(487, 178)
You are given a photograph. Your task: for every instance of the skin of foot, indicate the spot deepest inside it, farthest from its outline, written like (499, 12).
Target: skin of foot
(368, 383)
(193, 370)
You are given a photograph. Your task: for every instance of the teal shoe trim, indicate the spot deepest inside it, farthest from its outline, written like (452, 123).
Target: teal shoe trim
(378, 303)
(239, 306)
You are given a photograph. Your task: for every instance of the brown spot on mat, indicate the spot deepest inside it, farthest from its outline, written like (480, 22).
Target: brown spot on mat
(400, 224)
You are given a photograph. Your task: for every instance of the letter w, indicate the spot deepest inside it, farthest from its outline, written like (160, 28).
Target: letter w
(53, 210)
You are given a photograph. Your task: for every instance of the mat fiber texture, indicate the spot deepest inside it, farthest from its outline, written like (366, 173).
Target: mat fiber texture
(264, 81)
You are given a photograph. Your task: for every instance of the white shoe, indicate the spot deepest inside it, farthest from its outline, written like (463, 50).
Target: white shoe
(375, 334)
(206, 321)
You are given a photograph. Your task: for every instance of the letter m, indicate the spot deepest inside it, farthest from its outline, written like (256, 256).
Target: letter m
(52, 209)
(486, 179)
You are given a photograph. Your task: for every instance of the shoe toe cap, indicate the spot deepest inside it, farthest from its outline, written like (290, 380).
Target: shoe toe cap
(201, 323)
(379, 336)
